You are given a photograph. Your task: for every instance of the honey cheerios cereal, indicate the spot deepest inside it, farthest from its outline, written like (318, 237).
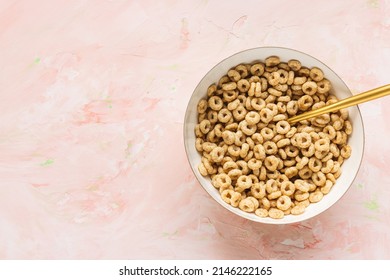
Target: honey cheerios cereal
(256, 159)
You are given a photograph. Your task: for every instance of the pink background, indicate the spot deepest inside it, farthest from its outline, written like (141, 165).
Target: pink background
(93, 96)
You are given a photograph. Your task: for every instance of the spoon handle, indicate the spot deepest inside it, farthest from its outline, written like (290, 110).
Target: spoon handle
(347, 102)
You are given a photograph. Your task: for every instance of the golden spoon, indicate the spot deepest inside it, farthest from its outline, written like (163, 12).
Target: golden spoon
(347, 102)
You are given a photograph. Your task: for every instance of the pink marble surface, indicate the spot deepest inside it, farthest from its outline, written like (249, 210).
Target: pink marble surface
(93, 96)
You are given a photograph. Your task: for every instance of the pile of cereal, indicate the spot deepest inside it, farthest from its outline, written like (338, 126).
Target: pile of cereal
(255, 158)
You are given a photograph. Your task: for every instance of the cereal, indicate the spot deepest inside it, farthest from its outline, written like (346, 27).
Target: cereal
(256, 160)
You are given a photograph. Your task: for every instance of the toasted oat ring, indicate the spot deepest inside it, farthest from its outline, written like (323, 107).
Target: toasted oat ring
(283, 203)
(243, 85)
(205, 126)
(224, 115)
(309, 88)
(248, 129)
(270, 148)
(323, 86)
(271, 163)
(217, 154)
(316, 74)
(257, 69)
(234, 75)
(282, 127)
(239, 113)
(252, 118)
(305, 102)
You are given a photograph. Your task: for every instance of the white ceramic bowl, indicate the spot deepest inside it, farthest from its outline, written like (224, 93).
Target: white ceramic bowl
(349, 168)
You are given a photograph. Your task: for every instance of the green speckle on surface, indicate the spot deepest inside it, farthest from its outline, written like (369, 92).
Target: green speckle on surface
(360, 186)
(371, 205)
(37, 60)
(47, 162)
(168, 234)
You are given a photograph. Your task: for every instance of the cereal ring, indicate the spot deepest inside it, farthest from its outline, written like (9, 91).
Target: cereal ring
(274, 195)
(298, 209)
(282, 107)
(240, 138)
(267, 133)
(323, 86)
(283, 76)
(202, 106)
(300, 196)
(244, 150)
(282, 127)
(294, 64)
(283, 143)
(215, 103)
(243, 85)
(241, 98)
(243, 182)
(303, 140)
(346, 151)
(302, 185)
(234, 75)
(217, 154)
(252, 118)
(330, 131)
(258, 190)
(274, 78)
(224, 115)
(315, 164)
(208, 147)
(212, 116)
(205, 126)
(261, 212)
(233, 105)
(265, 203)
(287, 188)
(322, 145)
(283, 203)
(250, 142)
(290, 162)
(275, 92)
(229, 86)
(316, 74)
(228, 137)
(291, 151)
(271, 163)
(275, 213)
(242, 70)
(305, 173)
(229, 95)
(258, 104)
(257, 69)
(248, 156)
(247, 205)
(239, 113)
(328, 186)
(304, 71)
(234, 173)
(305, 102)
(270, 148)
(348, 127)
(271, 186)
(316, 196)
(292, 107)
(259, 152)
(257, 138)
(198, 144)
(243, 166)
(233, 150)
(254, 164)
(319, 179)
(272, 61)
(308, 152)
(270, 99)
(309, 88)
(221, 180)
(229, 165)
(202, 169)
(248, 129)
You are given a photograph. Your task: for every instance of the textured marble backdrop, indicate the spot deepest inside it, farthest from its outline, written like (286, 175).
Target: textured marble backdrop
(93, 96)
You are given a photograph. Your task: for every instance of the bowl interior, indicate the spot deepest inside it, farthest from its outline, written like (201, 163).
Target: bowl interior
(356, 140)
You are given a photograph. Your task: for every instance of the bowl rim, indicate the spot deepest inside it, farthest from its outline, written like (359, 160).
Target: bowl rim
(226, 206)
